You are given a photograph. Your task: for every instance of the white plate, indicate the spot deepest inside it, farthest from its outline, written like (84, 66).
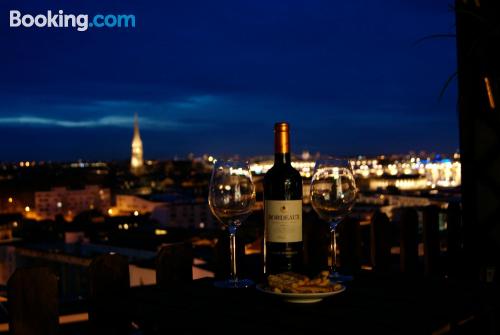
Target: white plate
(302, 298)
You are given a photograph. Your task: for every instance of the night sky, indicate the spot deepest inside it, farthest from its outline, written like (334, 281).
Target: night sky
(214, 76)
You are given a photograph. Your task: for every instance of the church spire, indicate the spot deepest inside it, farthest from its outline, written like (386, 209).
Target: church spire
(136, 160)
(136, 127)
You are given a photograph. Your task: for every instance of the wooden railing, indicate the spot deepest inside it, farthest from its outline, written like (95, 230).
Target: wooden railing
(431, 252)
(33, 304)
(33, 299)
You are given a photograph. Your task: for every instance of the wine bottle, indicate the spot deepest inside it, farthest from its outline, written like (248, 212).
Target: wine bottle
(283, 245)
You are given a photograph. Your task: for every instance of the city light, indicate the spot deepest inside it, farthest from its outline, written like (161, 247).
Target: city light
(10, 200)
(136, 213)
(160, 232)
(426, 173)
(27, 209)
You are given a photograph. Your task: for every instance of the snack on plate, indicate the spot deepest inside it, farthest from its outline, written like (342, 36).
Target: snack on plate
(290, 282)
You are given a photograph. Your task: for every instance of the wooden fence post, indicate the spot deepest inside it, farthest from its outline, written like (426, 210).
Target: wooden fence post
(174, 264)
(380, 233)
(431, 240)
(454, 229)
(350, 245)
(33, 302)
(409, 240)
(109, 282)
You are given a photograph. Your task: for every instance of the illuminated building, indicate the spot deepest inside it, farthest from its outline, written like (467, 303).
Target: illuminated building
(127, 204)
(177, 214)
(436, 173)
(405, 173)
(136, 160)
(404, 183)
(69, 203)
(304, 167)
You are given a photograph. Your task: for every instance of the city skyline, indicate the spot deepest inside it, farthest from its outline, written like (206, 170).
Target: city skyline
(89, 157)
(216, 77)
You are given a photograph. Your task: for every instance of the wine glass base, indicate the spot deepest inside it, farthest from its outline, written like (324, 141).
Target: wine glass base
(339, 278)
(229, 283)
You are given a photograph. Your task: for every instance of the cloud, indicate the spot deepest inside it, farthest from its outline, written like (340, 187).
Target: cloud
(177, 114)
(107, 121)
(194, 102)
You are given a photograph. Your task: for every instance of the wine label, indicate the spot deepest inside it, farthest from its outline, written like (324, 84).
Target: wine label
(283, 220)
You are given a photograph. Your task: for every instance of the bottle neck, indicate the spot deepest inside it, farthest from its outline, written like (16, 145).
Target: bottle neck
(282, 144)
(282, 158)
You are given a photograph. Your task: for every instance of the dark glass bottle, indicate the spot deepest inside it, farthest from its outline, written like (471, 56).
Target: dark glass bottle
(283, 244)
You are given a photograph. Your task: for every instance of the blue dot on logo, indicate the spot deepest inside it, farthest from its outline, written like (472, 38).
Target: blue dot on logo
(91, 24)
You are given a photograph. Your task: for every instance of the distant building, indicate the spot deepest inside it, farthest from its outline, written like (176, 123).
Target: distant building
(69, 203)
(391, 204)
(175, 214)
(127, 204)
(185, 215)
(137, 159)
(404, 183)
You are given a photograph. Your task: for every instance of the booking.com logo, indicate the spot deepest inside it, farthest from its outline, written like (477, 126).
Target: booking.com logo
(61, 20)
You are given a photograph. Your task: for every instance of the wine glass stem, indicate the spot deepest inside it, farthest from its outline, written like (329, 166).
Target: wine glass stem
(333, 250)
(232, 251)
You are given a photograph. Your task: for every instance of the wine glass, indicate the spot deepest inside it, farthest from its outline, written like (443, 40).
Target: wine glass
(231, 198)
(333, 193)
